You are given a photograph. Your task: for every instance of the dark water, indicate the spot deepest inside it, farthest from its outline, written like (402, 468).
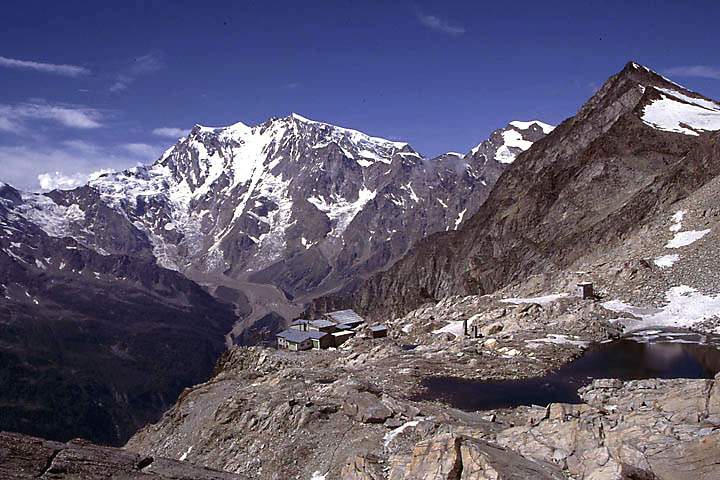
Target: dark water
(650, 354)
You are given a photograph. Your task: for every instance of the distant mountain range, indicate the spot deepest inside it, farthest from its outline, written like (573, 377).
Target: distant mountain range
(296, 203)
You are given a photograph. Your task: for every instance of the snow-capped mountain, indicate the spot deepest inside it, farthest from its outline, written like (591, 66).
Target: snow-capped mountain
(292, 202)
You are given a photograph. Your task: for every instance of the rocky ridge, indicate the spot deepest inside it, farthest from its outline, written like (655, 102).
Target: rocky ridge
(585, 188)
(23, 457)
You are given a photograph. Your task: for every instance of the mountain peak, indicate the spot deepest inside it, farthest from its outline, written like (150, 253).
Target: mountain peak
(507, 143)
(8, 192)
(300, 118)
(642, 75)
(522, 125)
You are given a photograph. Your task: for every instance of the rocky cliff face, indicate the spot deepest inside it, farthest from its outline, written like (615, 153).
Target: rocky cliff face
(640, 143)
(90, 344)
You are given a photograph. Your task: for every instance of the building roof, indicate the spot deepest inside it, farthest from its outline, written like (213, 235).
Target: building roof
(343, 326)
(316, 335)
(322, 323)
(294, 336)
(343, 333)
(300, 321)
(378, 328)
(345, 316)
(298, 336)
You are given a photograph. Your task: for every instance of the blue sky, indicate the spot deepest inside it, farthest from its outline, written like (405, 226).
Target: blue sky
(86, 86)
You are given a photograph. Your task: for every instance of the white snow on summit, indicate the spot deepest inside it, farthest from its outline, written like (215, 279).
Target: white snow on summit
(370, 149)
(513, 139)
(680, 113)
(341, 211)
(546, 128)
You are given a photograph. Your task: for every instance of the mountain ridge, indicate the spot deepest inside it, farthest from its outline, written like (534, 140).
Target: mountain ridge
(508, 235)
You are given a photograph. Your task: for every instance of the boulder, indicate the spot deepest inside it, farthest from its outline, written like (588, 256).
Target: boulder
(438, 458)
(363, 467)
(458, 457)
(366, 407)
(491, 329)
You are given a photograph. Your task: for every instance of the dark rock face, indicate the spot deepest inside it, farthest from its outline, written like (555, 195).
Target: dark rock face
(23, 457)
(91, 345)
(595, 179)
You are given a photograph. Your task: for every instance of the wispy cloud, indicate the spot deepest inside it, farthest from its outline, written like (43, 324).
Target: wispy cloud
(170, 132)
(69, 163)
(46, 167)
(16, 118)
(81, 146)
(59, 180)
(143, 150)
(702, 71)
(142, 65)
(54, 68)
(439, 24)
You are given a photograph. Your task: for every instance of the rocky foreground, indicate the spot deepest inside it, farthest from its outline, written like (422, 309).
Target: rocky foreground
(24, 457)
(318, 415)
(360, 413)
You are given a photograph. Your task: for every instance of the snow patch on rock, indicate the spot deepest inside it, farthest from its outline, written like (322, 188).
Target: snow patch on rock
(543, 300)
(666, 261)
(677, 219)
(680, 113)
(685, 307)
(683, 239)
(341, 211)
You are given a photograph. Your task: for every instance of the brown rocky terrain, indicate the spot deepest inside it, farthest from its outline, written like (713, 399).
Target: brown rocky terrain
(23, 457)
(605, 198)
(346, 414)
